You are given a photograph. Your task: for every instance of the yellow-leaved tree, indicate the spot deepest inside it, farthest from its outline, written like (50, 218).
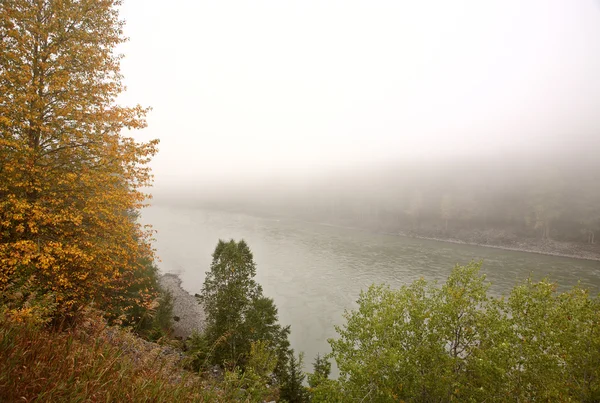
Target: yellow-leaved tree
(70, 181)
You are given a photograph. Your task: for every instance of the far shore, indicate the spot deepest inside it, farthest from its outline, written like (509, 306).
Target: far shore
(583, 255)
(580, 255)
(549, 249)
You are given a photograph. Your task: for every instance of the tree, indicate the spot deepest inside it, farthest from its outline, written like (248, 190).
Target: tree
(239, 317)
(261, 324)
(321, 371)
(415, 208)
(291, 388)
(588, 215)
(228, 294)
(546, 202)
(69, 180)
(237, 313)
(447, 209)
(427, 343)
(321, 388)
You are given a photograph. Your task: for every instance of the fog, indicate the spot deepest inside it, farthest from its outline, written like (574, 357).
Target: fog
(320, 130)
(267, 100)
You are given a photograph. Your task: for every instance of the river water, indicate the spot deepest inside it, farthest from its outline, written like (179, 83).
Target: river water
(314, 272)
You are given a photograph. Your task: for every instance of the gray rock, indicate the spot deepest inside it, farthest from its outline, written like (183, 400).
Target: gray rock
(185, 307)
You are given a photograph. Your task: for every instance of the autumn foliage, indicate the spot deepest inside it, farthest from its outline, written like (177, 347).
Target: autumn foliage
(70, 181)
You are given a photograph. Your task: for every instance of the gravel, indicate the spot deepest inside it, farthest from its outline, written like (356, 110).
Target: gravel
(185, 307)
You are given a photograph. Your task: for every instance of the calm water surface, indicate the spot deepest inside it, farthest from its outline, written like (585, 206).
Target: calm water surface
(314, 272)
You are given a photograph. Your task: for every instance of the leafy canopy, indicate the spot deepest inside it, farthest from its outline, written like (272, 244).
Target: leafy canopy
(428, 343)
(69, 180)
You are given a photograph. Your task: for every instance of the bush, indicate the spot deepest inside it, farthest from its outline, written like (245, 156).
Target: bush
(152, 319)
(454, 342)
(252, 384)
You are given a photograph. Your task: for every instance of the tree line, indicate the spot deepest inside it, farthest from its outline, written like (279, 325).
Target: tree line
(481, 200)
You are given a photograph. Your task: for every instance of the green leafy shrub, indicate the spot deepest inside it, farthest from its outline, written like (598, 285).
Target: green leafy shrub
(428, 343)
(252, 384)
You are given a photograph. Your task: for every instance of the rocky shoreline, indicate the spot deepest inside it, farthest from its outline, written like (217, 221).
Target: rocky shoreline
(188, 313)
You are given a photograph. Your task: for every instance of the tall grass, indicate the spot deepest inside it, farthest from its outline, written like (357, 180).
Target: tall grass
(91, 362)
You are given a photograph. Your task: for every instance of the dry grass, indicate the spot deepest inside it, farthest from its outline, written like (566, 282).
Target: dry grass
(90, 362)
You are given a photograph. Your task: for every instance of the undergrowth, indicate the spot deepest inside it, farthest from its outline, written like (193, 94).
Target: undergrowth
(90, 361)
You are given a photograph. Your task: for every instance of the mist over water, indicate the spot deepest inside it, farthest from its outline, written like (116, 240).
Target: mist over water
(288, 124)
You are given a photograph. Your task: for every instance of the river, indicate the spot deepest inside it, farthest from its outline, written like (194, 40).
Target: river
(314, 272)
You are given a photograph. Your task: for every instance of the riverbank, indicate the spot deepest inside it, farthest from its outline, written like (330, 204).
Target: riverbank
(188, 313)
(490, 238)
(549, 248)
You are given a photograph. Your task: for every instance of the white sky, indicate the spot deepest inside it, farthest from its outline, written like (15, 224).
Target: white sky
(251, 88)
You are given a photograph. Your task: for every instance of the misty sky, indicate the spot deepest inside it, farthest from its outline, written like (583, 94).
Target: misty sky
(276, 87)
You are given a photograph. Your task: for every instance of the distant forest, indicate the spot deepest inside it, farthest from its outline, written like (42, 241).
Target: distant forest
(510, 201)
